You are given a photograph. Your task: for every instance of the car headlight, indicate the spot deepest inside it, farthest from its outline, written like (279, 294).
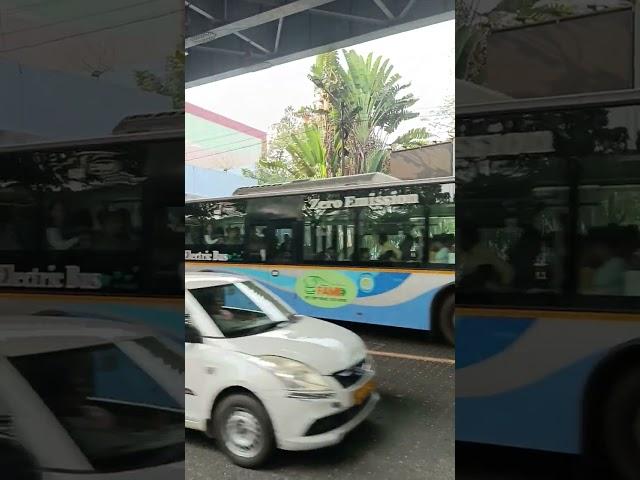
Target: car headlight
(300, 380)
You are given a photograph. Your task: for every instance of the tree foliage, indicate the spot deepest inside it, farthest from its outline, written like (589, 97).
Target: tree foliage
(359, 103)
(171, 84)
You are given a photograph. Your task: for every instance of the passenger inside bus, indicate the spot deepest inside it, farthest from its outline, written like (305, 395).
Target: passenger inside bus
(8, 234)
(257, 246)
(604, 266)
(330, 255)
(480, 265)
(387, 251)
(407, 247)
(233, 236)
(285, 246)
(214, 235)
(523, 255)
(56, 228)
(439, 250)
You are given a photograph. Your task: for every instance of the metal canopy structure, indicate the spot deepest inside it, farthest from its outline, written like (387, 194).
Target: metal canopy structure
(230, 37)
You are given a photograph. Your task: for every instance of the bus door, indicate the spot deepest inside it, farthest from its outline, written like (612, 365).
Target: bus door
(274, 241)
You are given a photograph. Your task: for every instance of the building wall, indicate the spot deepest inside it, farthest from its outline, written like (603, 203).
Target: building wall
(424, 162)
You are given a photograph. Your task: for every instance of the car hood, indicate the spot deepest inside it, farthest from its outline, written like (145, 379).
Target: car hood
(321, 345)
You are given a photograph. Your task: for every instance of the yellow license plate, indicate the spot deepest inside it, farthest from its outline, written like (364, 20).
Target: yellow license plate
(361, 394)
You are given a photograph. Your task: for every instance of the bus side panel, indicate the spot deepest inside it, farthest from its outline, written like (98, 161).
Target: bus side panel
(383, 297)
(165, 315)
(520, 382)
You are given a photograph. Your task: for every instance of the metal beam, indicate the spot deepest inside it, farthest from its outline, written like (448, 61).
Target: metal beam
(406, 9)
(278, 33)
(381, 5)
(274, 14)
(200, 11)
(348, 16)
(210, 17)
(227, 51)
(251, 42)
(392, 29)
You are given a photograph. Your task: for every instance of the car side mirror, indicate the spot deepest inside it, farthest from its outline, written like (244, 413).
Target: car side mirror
(16, 462)
(191, 334)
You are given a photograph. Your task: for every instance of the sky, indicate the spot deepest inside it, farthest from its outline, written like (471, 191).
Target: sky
(424, 57)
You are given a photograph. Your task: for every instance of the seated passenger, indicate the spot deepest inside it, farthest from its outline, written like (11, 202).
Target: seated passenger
(474, 255)
(387, 250)
(213, 235)
(607, 268)
(406, 247)
(56, 227)
(440, 251)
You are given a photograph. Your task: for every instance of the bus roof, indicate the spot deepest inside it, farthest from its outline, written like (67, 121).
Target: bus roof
(322, 186)
(583, 100)
(150, 122)
(155, 126)
(347, 181)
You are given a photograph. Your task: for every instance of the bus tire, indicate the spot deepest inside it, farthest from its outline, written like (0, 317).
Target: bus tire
(621, 429)
(445, 318)
(253, 448)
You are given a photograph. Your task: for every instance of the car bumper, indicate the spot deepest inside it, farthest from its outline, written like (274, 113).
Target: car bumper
(310, 424)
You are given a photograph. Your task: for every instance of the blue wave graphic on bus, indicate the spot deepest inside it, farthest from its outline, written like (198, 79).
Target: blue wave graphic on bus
(525, 416)
(411, 314)
(487, 336)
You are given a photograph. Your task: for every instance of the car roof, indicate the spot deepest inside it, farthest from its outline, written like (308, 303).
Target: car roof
(33, 334)
(211, 279)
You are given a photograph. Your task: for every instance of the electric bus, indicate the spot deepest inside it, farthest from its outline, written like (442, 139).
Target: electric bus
(548, 285)
(366, 248)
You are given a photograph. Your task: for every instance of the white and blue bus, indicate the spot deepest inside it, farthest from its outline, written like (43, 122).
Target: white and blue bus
(366, 248)
(90, 227)
(548, 291)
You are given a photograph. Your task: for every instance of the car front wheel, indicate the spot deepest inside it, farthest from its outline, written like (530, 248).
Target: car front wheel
(244, 431)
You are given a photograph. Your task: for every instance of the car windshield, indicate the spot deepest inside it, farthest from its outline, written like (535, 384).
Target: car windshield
(242, 308)
(120, 416)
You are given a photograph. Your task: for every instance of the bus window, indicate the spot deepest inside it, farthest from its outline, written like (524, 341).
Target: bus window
(515, 240)
(216, 227)
(329, 233)
(392, 233)
(442, 223)
(609, 229)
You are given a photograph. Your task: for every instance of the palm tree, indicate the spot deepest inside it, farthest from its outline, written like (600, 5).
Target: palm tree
(309, 154)
(362, 105)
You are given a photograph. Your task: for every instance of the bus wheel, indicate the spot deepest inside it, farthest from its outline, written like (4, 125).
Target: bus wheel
(446, 319)
(622, 425)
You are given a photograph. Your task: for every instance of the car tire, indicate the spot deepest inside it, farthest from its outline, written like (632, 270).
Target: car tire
(243, 430)
(621, 429)
(446, 319)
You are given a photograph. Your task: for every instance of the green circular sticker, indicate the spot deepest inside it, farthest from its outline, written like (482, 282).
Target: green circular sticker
(326, 289)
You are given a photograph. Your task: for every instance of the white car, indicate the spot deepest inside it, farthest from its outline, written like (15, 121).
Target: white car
(260, 377)
(92, 399)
